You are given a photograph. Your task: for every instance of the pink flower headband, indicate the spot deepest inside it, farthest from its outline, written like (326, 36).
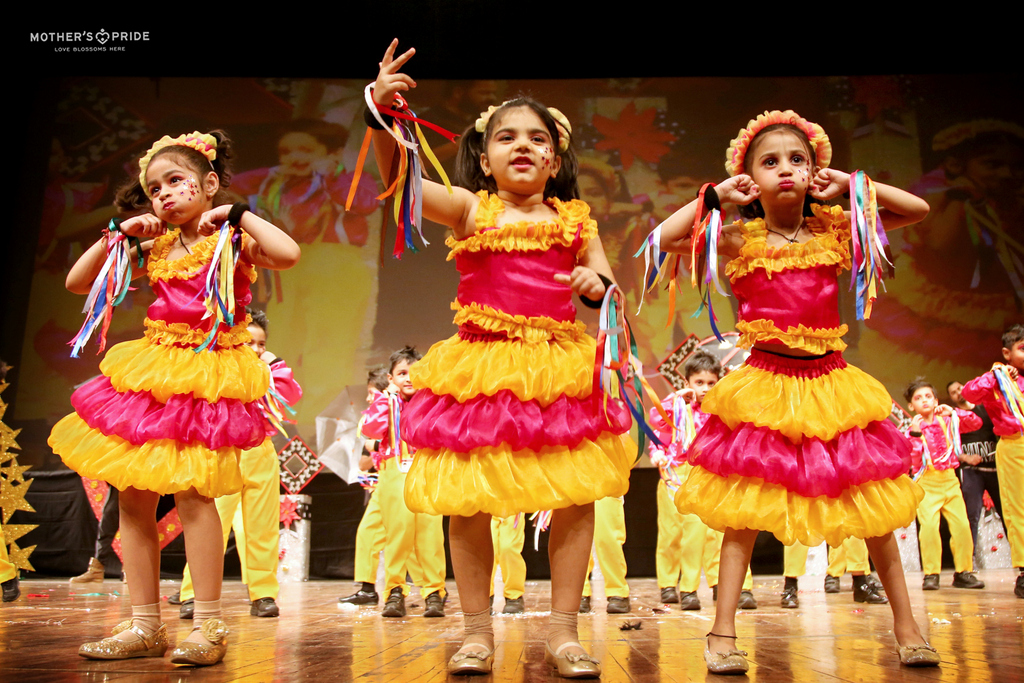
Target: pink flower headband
(561, 123)
(737, 151)
(204, 143)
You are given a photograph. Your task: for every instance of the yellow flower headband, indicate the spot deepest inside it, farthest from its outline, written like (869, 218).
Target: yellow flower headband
(203, 143)
(561, 123)
(737, 151)
(954, 135)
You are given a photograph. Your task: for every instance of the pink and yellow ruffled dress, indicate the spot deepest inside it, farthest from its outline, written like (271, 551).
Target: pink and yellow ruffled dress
(506, 418)
(162, 417)
(798, 447)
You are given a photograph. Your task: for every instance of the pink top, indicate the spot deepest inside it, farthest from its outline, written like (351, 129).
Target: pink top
(676, 451)
(285, 385)
(985, 391)
(377, 425)
(935, 435)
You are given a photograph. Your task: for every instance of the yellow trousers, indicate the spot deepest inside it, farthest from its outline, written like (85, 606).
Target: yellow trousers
(369, 541)
(254, 513)
(508, 542)
(851, 556)
(685, 545)
(7, 570)
(942, 495)
(609, 535)
(1010, 465)
(410, 538)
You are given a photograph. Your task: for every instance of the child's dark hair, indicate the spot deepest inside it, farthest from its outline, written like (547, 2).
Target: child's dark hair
(701, 361)
(132, 196)
(409, 354)
(378, 378)
(919, 383)
(330, 135)
(1012, 335)
(754, 209)
(472, 144)
(259, 318)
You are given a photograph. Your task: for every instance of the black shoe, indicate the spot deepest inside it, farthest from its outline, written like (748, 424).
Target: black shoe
(688, 601)
(873, 581)
(790, 600)
(747, 600)
(967, 580)
(11, 589)
(867, 592)
(831, 583)
(617, 605)
(670, 595)
(1018, 589)
(585, 604)
(264, 607)
(174, 599)
(360, 597)
(395, 606)
(434, 605)
(514, 606)
(714, 593)
(187, 610)
(931, 582)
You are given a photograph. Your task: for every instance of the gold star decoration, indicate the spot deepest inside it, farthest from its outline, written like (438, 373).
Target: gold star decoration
(13, 498)
(19, 557)
(14, 471)
(12, 532)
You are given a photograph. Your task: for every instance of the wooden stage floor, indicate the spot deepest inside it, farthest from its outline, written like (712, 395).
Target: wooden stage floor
(980, 635)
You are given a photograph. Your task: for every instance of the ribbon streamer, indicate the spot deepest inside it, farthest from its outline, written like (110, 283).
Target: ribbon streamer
(541, 521)
(220, 284)
(872, 258)
(1010, 394)
(110, 287)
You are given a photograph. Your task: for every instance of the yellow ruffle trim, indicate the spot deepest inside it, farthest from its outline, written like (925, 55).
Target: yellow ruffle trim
(866, 511)
(532, 371)
(525, 235)
(829, 246)
(816, 341)
(165, 370)
(165, 466)
(964, 308)
(190, 264)
(530, 329)
(798, 407)
(160, 332)
(502, 482)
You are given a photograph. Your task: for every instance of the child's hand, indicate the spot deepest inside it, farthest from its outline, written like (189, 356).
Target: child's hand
(915, 424)
(944, 410)
(688, 395)
(584, 281)
(390, 80)
(211, 220)
(146, 225)
(1011, 371)
(739, 189)
(658, 459)
(267, 357)
(828, 184)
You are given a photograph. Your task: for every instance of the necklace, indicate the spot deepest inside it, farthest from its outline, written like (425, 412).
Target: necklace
(184, 246)
(791, 240)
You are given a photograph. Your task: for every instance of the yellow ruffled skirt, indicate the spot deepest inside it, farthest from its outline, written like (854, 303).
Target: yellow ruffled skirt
(803, 449)
(505, 426)
(164, 418)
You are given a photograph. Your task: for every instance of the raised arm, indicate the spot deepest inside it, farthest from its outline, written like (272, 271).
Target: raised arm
(270, 248)
(453, 210)
(675, 231)
(897, 207)
(87, 267)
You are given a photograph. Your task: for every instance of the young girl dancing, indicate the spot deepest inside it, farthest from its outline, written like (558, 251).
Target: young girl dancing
(165, 417)
(798, 442)
(506, 419)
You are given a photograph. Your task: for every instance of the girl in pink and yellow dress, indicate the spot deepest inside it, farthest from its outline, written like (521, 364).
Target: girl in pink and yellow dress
(506, 418)
(798, 442)
(163, 417)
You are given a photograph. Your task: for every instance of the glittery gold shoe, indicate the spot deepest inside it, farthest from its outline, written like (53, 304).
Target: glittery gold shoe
(471, 662)
(202, 654)
(154, 645)
(725, 663)
(919, 655)
(572, 665)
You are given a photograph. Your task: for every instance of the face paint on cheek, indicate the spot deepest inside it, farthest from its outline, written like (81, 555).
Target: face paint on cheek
(190, 184)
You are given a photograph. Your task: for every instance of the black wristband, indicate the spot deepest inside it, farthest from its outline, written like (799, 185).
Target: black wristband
(591, 303)
(372, 121)
(235, 215)
(916, 434)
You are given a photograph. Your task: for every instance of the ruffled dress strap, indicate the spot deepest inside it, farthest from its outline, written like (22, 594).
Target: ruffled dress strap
(190, 264)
